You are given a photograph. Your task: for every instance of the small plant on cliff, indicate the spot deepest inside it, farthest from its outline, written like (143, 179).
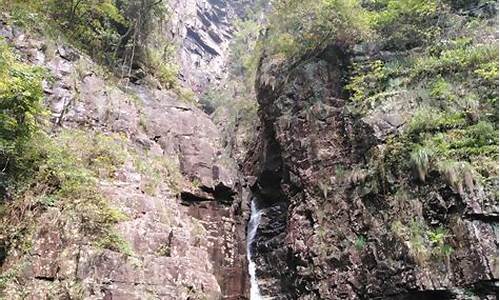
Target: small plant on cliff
(157, 170)
(421, 160)
(360, 243)
(417, 242)
(437, 239)
(115, 242)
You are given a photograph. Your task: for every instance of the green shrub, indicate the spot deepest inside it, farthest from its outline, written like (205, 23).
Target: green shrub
(21, 112)
(63, 175)
(297, 27)
(158, 170)
(113, 241)
(418, 241)
(404, 24)
(450, 61)
(367, 80)
(442, 90)
(483, 133)
(162, 65)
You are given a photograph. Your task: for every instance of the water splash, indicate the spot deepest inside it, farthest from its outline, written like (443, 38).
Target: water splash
(253, 224)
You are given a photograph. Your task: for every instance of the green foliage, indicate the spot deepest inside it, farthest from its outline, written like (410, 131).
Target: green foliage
(427, 119)
(437, 238)
(482, 134)
(21, 97)
(297, 27)
(404, 24)
(121, 34)
(95, 25)
(460, 59)
(162, 65)
(63, 175)
(367, 80)
(244, 62)
(417, 239)
(360, 243)
(105, 154)
(423, 243)
(212, 99)
(442, 90)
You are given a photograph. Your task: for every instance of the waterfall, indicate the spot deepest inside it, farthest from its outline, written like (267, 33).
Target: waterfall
(253, 224)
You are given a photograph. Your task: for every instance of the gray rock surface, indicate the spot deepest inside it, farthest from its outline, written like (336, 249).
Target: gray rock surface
(184, 244)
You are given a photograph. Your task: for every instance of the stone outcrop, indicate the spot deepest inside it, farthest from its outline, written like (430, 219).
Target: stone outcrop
(204, 30)
(328, 231)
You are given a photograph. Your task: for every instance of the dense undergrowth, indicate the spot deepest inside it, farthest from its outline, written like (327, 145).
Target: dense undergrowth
(123, 35)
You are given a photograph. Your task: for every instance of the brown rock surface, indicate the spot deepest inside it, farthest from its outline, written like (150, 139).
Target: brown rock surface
(328, 231)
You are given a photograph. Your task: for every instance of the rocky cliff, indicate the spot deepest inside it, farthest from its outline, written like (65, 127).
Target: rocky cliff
(373, 165)
(204, 30)
(163, 181)
(339, 220)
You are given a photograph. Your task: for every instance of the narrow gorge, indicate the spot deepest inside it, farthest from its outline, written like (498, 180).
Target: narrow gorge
(249, 149)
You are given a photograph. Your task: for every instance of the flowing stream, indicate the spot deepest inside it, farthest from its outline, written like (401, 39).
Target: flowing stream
(253, 224)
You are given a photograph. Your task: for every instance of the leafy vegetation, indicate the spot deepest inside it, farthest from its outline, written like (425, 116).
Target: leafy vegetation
(434, 64)
(156, 171)
(298, 27)
(360, 243)
(42, 172)
(124, 35)
(21, 97)
(451, 79)
(424, 243)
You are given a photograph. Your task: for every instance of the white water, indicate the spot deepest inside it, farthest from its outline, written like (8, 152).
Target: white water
(253, 224)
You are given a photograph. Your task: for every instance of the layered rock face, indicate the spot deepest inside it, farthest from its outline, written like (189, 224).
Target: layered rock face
(204, 29)
(326, 232)
(185, 242)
